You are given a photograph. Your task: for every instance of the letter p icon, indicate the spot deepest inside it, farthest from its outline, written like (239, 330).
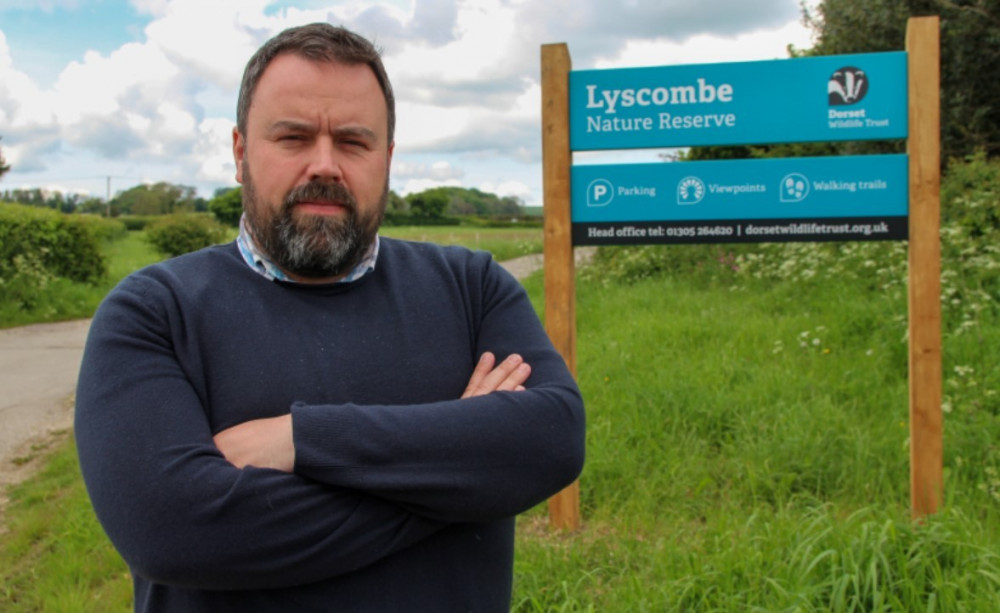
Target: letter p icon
(600, 192)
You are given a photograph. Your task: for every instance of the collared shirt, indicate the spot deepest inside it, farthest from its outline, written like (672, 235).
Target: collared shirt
(263, 265)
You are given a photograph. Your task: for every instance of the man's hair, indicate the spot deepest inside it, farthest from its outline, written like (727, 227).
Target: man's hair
(320, 42)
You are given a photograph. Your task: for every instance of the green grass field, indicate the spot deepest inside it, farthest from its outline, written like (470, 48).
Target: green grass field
(503, 243)
(747, 446)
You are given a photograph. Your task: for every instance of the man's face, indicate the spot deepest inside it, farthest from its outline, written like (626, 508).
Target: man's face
(316, 141)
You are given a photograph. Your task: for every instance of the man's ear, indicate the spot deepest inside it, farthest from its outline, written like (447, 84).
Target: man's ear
(239, 148)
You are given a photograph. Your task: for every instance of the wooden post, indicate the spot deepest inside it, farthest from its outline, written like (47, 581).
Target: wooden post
(924, 148)
(560, 286)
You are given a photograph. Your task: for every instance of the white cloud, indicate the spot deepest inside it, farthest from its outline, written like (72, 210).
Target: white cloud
(413, 186)
(507, 188)
(710, 48)
(213, 153)
(441, 170)
(151, 7)
(210, 40)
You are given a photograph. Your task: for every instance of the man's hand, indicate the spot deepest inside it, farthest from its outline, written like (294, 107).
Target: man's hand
(509, 375)
(264, 443)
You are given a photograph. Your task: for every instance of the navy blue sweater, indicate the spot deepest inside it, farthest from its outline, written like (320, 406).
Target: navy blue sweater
(403, 496)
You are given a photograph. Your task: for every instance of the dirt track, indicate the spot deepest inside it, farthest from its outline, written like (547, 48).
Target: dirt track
(38, 370)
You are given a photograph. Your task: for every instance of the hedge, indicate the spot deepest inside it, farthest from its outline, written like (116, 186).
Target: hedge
(64, 245)
(174, 235)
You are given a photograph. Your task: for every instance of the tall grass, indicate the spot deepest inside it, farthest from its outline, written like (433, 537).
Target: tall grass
(748, 437)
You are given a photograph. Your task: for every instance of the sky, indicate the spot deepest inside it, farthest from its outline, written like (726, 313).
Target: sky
(97, 96)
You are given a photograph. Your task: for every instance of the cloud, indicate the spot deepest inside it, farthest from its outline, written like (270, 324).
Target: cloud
(437, 171)
(431, 22)
(27, 148)
(30, 132)
(210, 41)
(212, 154)
(516, 189)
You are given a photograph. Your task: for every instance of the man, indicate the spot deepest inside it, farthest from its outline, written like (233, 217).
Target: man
(313, 418)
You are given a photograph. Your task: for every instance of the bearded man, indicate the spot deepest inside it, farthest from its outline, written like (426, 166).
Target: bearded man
(314, 417)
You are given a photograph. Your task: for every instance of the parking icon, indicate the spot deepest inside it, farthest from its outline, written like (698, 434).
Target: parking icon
(600, 192)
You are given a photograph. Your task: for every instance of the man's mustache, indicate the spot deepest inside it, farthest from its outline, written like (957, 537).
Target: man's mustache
(317, 191)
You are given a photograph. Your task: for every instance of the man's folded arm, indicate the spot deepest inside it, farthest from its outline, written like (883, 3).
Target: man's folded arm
(176, 510)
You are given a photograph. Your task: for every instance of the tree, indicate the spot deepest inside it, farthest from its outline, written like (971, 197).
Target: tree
(466, 201)
(158, 199)
(227, 205)
(4, 166)
(970, 57)
(429, 204)
(396, 204)
(94, 206)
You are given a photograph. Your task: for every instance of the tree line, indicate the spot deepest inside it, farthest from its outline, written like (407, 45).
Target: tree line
(435, 204)
(438, 204)
(157, 199)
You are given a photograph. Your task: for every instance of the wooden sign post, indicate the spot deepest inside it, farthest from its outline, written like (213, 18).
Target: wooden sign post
(560, 274)
(923, 148)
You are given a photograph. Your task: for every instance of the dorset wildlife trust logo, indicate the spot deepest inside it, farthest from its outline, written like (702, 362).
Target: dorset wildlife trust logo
(847, 86)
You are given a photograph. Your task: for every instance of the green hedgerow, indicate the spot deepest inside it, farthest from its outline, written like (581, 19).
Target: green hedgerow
(179, 234)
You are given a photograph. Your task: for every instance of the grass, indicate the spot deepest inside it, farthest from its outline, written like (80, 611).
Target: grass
(747, 448)
(748, 442)
(55, 556)
(503, 243)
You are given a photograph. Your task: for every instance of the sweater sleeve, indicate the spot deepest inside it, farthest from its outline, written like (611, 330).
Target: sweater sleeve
(472, 459)
(175, 509)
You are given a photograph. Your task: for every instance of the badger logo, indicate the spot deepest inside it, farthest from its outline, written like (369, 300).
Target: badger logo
(847, 86)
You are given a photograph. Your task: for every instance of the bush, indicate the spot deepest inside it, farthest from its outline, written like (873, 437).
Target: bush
(135, 223)
(970, 194)
(179, 234)
(228, 207)
(101, 227)
(630, 264)
(63, 245)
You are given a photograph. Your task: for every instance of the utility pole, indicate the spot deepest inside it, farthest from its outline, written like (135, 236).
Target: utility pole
(107, 198)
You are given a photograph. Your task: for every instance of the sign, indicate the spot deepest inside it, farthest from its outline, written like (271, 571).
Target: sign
(827, 98)
(804, 199)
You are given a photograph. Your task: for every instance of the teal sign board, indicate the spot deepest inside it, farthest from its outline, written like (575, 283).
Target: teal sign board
(827, 98)
(787, 199)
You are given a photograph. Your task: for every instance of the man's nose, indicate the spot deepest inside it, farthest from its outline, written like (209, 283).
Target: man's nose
(324, 163)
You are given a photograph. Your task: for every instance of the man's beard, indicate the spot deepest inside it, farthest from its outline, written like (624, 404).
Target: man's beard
(312, 246)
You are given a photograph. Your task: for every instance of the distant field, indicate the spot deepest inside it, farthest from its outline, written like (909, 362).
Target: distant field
(503, 243)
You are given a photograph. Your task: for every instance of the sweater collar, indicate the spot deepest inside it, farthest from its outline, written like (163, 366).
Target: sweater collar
(264, 266)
